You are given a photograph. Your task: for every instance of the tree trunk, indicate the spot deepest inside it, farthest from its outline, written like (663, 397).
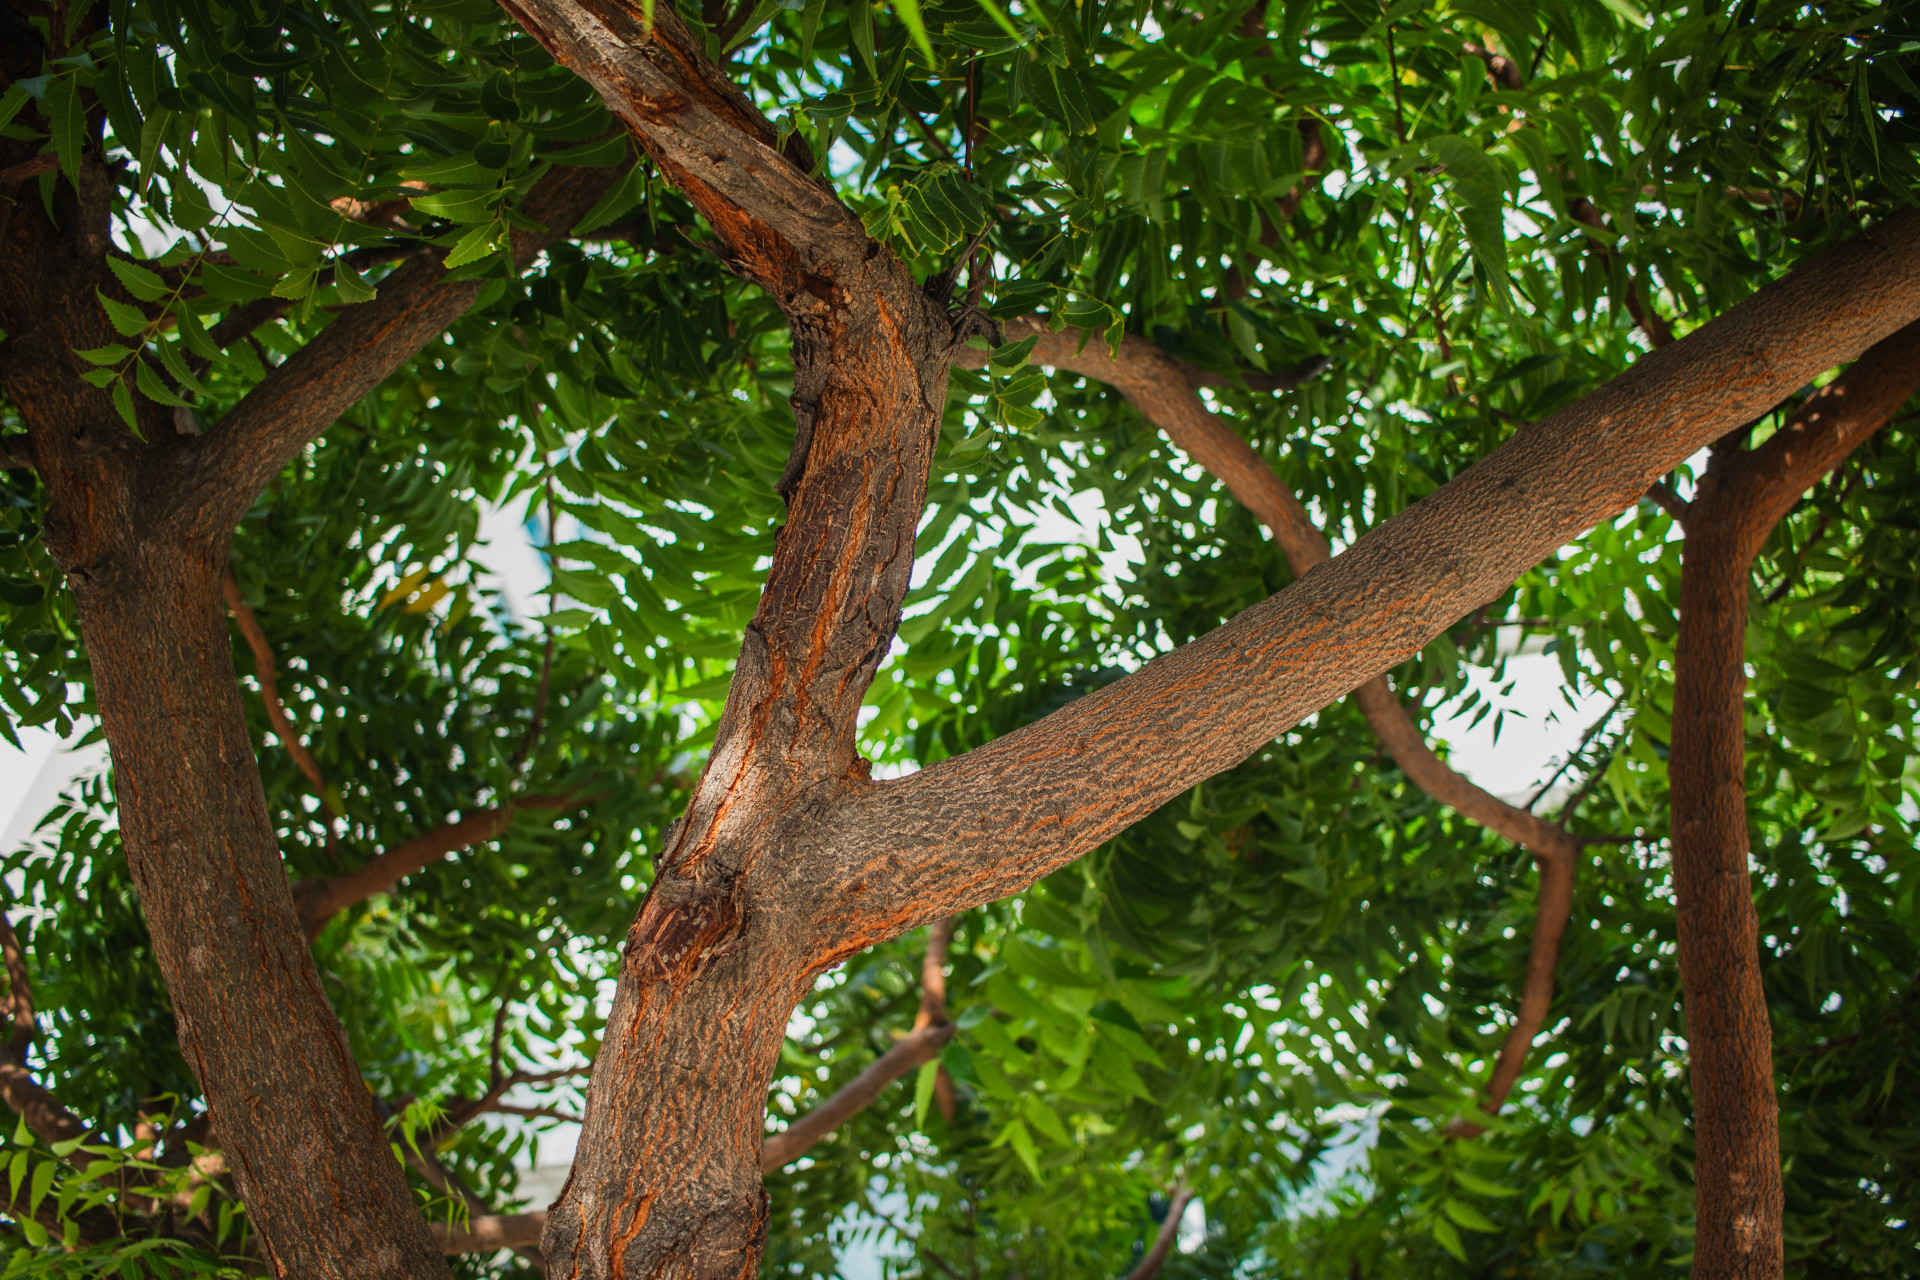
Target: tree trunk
(1729, 1036)
(1729, 1039)
(325, 1194)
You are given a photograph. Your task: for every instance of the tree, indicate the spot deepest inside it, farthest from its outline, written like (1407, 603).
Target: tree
(1147, 184)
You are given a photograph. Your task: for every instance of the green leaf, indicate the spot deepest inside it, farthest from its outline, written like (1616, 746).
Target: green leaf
(625, 194)
(137, 280)
(127, 319)
(475, 245)
(123, 404)
(909, 11)
(459, 206)
(1480, 205)
(1467, 1216)
(69, 124)
(860, 28)
(923, 1091)
(41, 1182)
(352, 285)
(1448, 1238)
(152, 388)
(761, 15)
(112, 353)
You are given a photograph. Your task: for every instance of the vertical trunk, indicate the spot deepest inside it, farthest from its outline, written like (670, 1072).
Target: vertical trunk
(1729, 1038)
(325, 1194)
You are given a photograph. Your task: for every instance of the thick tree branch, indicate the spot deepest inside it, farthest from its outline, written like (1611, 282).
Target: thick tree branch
(1742, 495)
(320, 900)
(300, 397)
(980, 826)
(1156, 1257)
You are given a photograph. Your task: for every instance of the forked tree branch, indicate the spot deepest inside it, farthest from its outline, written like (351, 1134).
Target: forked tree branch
(1153, 384)
(302, 396)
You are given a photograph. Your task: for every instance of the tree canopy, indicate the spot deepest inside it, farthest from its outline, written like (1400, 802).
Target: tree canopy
(1100, 884)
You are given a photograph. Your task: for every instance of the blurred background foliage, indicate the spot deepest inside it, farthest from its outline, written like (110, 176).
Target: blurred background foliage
(1282, 986)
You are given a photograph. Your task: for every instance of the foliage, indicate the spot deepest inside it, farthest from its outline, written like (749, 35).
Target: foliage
(1282, 986)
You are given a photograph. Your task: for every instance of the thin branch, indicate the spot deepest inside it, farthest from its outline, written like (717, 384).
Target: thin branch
(1663, 497)
(320, 900)
(1156, 1257)
(264, 672)
(50, 1121)
(910, 1052)
(930, 1033)
(1592, 730)
(13, 175)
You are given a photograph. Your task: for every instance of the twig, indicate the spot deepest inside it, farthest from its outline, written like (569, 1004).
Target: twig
(263, 670)
(1574, 754)
(1667, 500)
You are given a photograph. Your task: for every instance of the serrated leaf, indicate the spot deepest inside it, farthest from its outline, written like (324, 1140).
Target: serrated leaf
(152, 388)
(909, 11)
(1467, 1216)
(137, 280)
(112, 353)
(1448, 1238)
(125, 317)
(475, 245)
(123, 404)
(68, 121)
(195, 334)
(170, 357)
(353, 286)
(37, 1188)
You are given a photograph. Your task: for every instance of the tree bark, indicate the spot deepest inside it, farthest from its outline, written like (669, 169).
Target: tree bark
(1168, 1235)
(1729, 1037)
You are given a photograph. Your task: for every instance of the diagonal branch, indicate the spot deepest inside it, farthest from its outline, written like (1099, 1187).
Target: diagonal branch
(977, 827)
(1154, 385)
(303, 394)
(922, 1045)
(318, 901)
(1156, 1257)
(264, 672)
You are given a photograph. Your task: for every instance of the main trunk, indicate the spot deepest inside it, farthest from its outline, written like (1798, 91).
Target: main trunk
(666, 1182)
(288, 1103)
(1729, 1038)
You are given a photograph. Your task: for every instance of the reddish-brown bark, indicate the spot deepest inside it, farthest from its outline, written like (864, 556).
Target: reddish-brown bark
(790, 858)
(1729, 1038)
(141, 525)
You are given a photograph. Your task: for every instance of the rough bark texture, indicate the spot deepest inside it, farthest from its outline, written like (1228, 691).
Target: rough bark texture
(1729, 1038)
(667, 1180)
(790, 858)
(141, 529)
